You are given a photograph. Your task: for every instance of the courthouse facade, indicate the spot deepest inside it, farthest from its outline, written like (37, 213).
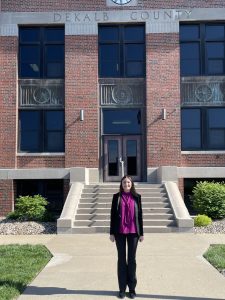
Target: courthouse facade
(90, 90)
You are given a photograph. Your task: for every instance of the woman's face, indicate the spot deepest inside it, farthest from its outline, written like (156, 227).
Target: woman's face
(126, 184)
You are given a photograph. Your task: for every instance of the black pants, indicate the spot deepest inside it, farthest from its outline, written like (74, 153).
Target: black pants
(126, 267)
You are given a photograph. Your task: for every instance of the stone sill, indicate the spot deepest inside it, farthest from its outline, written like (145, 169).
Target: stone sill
(203, 152)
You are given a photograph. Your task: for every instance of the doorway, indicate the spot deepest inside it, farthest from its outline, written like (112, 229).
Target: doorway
(122, 156)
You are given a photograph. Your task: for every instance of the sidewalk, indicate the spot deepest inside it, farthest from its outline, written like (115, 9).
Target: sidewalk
(169, 266)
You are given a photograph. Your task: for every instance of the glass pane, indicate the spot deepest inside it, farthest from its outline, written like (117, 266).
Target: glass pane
(131, 148)
(190, 67)
(189, 51)
(54, 53)
(55, 70)
(113, 168)
(134, 52)
(54, 120)
(29, 35)
(108, 33)
(216, 118)
(29, 53)
(191, 139)
(190, 118)
(215, 50)
(109, 60)
(189, 32)
(134, 33)
(124, 121)
(29, 70)
(214, 32)
(135, 69)
(54, 34)
(217, 138)
(215, 67)
(54, 141)
(30, 128)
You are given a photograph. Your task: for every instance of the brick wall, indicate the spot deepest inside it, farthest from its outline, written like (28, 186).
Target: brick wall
(203, 160)
(40, 162)
(50, 5)
(163, 91)
(6, 196)
(81, 93)
(8, 87)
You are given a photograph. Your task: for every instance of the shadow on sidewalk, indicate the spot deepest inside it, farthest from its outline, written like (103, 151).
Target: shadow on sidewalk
(33, 290)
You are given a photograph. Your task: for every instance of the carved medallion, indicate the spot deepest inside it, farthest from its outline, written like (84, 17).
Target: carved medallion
(121, 2)
(203, 93)
(42, 95)
(122, 94)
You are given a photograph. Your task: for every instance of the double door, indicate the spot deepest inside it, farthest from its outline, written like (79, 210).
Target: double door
(122, 156)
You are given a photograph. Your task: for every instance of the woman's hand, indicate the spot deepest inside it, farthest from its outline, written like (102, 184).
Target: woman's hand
(112, 238)
(141, 238)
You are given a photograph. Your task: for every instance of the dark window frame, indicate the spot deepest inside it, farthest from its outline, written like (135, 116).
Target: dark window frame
(42, 148)
(204, 129)
(202, 41)
(122, 43)
(42, 45)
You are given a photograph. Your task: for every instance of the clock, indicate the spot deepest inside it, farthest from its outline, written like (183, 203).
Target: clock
(121, 2)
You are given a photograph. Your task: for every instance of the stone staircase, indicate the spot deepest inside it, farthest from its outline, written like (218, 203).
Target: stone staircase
(93, 212)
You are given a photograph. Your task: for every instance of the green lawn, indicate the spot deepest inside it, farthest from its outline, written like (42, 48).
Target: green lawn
(216, 256)
(19, 265)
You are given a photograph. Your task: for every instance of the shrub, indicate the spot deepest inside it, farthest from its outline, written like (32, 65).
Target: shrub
(202, 220)
(30, 208)
(209, 199)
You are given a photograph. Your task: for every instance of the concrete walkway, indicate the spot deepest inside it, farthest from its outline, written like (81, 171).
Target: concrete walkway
(169, 266)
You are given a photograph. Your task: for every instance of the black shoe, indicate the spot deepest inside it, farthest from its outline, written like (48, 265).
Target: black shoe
(132, 294)
(121, 295)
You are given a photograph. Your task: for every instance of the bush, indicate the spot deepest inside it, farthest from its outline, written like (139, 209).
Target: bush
(30, 208)
(202, 220)
(209, 199)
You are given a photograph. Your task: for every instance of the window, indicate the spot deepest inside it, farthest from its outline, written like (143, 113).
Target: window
(51, 189)
(202, 49)
(41, 131)
(122, 121)
(41, 52)
(203, 128)
(122, 51)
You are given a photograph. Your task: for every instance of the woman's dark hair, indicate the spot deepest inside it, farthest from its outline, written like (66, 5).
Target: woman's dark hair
(132, 190)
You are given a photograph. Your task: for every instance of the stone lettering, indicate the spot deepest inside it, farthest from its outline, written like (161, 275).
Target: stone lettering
(133, 15)
(156, 15)
(87, 18)
(57, 17)
(179, 13)
(188, 13)
(105, 16)
(168, 14)
(96, 17)
(67, 17)
(144, 15)
(76, 17)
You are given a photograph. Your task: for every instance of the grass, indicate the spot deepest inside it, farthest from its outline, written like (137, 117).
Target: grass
(19, 265)
(216, 256)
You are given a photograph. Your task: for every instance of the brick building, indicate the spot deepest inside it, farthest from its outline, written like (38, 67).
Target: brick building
(91, 89)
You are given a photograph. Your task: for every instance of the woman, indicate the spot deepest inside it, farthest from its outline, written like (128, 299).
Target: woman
(126, 226)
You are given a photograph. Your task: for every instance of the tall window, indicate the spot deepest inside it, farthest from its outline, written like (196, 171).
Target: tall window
(41, 52)
(41, 85)
(122, 51)
(203, 128)
(202, 49)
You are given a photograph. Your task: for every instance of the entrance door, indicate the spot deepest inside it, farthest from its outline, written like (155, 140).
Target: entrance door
(122, 156)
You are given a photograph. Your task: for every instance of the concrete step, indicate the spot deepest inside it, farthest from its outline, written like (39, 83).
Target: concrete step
(105, 229)
(150, 216)
(90, 223)
(111, 191)
(108, 205)
(109, 200)
(160, 210)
